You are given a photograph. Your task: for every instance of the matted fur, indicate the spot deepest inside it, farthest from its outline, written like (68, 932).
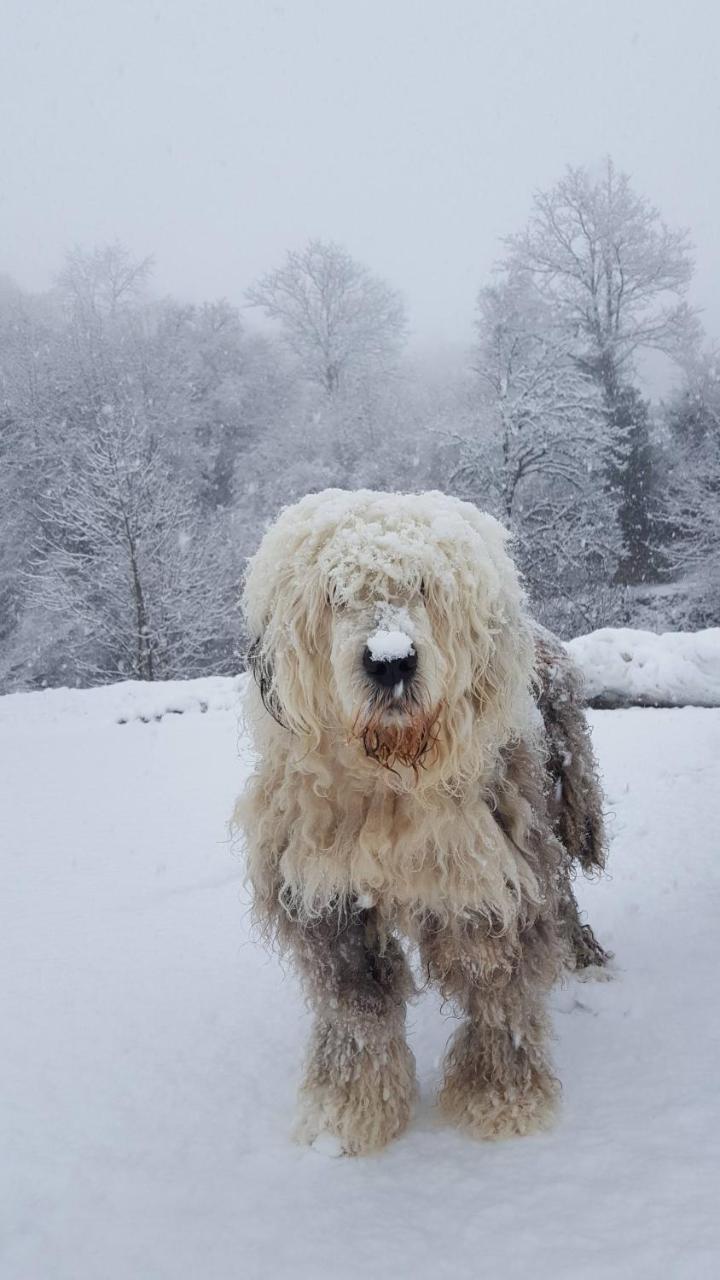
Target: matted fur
(428, 811)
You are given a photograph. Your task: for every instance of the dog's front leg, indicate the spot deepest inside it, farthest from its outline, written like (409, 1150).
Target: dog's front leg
(498, 1079)
(359, 1080)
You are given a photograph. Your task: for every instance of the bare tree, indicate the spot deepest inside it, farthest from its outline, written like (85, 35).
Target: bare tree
(611, 268)
(102, 282)
(338, 319)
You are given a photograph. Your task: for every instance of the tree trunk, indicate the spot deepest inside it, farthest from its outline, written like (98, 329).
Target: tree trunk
(144, 644)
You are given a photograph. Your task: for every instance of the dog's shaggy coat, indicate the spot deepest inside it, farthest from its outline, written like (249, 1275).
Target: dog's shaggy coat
(449, 808)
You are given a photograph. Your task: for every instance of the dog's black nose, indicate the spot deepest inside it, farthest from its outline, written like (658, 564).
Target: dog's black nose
(389, 671)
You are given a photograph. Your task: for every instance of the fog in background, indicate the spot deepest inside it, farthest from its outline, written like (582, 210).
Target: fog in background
(217, 135)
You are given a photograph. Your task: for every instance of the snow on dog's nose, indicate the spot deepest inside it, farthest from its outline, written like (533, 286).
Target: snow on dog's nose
(389, 658)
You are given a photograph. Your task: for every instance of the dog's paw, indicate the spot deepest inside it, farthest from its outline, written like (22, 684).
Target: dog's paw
(496, 1112)
(494, 1088)
(359, 1110)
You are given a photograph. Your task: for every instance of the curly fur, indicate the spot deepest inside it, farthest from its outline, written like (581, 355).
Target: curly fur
(450, 811)
(575, 796)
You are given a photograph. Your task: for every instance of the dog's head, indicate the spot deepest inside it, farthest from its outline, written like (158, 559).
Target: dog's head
(396, 620)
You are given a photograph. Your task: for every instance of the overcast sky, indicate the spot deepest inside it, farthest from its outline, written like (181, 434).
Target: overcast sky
(217, 134)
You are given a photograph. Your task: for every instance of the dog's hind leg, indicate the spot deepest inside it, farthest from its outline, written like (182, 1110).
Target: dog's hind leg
(498, 1078)
(359, 1080)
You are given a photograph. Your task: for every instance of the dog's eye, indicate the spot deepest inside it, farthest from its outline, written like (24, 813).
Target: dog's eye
(423, 591)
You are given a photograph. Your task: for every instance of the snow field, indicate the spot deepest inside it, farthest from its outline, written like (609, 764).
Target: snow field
(152, 1049)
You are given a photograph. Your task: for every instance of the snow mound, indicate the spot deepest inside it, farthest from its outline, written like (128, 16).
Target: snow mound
(623, 667)
(124, 702)
(387, 646)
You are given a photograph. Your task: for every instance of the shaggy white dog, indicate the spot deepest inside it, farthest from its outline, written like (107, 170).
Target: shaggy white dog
(425, 770)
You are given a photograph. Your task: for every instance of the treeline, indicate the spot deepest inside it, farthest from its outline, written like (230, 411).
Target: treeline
(144, 443)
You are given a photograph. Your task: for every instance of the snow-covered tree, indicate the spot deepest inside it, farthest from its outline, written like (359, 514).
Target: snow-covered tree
(616, 279)
(542, 413)
(106, 436)
(341, 322)
(29, 377)
(692, 499)
(145, 443)
(126, 572)
(536, 455)
(633, 485)
(616, 276)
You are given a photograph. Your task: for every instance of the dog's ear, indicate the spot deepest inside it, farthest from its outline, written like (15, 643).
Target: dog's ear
(260, 664)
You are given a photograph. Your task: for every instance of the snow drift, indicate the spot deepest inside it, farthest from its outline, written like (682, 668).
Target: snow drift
(625, 668)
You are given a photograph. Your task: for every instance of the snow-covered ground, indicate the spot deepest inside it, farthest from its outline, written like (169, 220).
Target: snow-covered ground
(151, 1049)
(623, 667)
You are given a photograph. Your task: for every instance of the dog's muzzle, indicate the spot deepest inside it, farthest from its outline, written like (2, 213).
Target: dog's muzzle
(388, 673)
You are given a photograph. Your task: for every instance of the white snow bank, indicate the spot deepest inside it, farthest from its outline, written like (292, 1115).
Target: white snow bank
(121, 703)
(624, 668)
(388, 646)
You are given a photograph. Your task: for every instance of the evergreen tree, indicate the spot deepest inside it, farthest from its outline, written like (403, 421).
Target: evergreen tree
(630, 478)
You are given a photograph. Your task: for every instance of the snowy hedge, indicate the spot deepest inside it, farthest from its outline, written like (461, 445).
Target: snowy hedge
(623, 667)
